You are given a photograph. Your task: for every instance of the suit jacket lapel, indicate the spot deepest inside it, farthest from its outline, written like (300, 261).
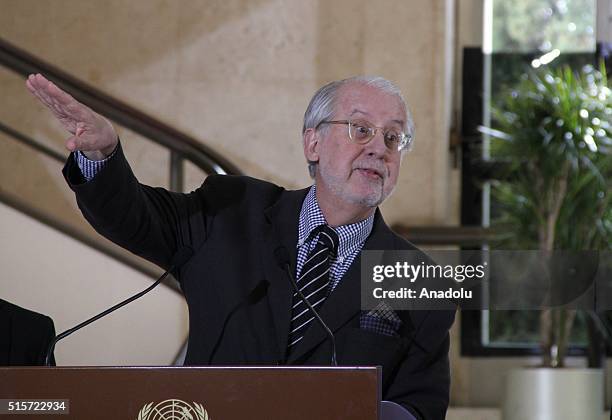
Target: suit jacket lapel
(344, 302)
(281, 230)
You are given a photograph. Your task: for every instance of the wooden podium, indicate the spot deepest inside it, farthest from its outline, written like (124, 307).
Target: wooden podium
(191, 393)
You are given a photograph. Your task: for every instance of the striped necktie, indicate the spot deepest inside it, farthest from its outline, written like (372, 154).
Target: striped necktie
(313, 282)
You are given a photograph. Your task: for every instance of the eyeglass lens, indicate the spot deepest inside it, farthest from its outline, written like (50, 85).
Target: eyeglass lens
(362, 132)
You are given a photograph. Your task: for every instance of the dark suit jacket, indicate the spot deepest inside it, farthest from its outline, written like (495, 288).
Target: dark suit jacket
(240, 299)
(24, 336)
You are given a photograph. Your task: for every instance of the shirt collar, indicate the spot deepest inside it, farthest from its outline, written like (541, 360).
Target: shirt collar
(351, 236)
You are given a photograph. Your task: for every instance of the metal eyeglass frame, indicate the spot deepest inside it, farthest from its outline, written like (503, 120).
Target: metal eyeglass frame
(403, 143)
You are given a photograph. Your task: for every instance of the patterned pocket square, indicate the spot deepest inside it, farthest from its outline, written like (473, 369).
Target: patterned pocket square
(381, 320)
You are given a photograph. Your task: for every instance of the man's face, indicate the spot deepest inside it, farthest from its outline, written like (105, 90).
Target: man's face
(351, 174)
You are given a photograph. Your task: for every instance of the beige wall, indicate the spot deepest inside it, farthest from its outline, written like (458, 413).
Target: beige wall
(238, 76)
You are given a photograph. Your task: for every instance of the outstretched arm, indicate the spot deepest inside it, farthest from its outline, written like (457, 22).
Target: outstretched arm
(150, 222)
(92, 134)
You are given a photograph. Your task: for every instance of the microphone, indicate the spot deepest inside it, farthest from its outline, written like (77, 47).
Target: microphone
(181, 257)
(282, 259)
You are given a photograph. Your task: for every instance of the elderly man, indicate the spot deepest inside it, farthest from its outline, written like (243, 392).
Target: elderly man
(249, 236)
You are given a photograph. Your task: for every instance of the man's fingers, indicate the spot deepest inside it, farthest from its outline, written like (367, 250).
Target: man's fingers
(71, 144)
(37, 91)
(78, 143)
(59, 95)
(82, 143)
(47, 91)
(63, 105)
(40, 91)
(29, 84)
(80, 129)
(91, 131)
(38, 82)
(66, 104)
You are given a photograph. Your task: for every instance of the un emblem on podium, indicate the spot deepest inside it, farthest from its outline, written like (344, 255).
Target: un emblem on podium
(173, 410)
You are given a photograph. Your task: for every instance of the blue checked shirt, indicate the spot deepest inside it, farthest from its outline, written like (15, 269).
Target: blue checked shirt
(352, 237)
(89, 168)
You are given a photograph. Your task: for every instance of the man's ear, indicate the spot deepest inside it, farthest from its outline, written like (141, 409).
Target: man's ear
(311, 145)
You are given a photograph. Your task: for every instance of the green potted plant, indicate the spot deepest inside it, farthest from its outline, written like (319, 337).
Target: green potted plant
(554, 132)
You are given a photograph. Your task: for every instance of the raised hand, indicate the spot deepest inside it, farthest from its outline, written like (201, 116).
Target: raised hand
(92, 134)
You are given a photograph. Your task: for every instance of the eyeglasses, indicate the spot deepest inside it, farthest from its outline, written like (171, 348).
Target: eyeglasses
(361, 132)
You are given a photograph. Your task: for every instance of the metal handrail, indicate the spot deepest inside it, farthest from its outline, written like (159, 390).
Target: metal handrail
(181, 147)
(30, 142)
(74, 233)
(178, 142)
(104, 247)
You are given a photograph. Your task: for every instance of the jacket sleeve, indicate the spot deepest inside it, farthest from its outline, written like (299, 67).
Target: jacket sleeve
(151, 222)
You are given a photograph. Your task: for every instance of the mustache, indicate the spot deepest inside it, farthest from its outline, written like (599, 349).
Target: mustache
(375, 166)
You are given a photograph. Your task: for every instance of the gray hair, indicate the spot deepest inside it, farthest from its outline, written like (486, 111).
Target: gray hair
(322, 105)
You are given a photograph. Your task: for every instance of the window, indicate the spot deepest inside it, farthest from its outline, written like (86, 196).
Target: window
(518, 35)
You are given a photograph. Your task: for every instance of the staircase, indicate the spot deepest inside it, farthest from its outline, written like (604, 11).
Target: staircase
(53, 260)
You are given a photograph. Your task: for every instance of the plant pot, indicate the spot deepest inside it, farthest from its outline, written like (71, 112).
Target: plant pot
(547, 393)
